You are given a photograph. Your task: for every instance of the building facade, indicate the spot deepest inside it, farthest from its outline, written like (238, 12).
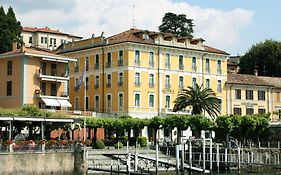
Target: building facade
(45, 37)
(32, 76)
(140, 73)
(252, 94)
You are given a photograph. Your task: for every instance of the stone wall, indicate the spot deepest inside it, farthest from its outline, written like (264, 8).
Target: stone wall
(58, 163)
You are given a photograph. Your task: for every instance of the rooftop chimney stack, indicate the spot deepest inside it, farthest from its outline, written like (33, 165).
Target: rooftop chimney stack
(256, 72)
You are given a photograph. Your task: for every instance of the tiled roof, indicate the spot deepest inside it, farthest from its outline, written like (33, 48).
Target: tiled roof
(244, 79)
(132, 36)
(274, 81)
(46, 30)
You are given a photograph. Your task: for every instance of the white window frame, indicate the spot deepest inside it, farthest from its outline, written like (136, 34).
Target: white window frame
(193, 83)
(149, 94)
(119, 105)
(169, 104)
(139, 102)
(97, 107)
(108, 107)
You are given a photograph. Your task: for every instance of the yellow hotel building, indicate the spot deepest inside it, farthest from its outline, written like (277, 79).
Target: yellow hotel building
(31, 75)
(140, 72)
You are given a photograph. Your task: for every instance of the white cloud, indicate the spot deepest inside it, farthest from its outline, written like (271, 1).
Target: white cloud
(219, 28)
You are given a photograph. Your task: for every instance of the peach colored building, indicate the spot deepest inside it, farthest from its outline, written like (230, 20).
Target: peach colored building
(34, 76)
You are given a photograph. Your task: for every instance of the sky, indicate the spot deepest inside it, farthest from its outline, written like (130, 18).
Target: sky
(230, 25)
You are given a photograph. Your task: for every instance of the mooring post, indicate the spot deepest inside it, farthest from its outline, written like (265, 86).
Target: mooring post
(204, 154)
(190, 155)
(127, 147)
(157, 155)
(211, 155)
(225, 158)
(129, 163)
(177, 159)
(218, 157)
(136, 162)
(182, 158)
(252, 157)
(238, 149)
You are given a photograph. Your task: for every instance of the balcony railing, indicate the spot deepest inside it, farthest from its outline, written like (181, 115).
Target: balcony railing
(151, 85)
(218, 71)
(168, 86)
(55, 76)
(167, 65)
(194, 68)
(120, 83)
(151, 64)
(137, 62)
(108, 65)
(181, 67)
(137, 84)
(108, 85)
(120, 62)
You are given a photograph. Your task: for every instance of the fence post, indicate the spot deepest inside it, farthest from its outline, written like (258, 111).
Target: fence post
(157, 156)
(136, 162)
(278, 145)
(182, 158)
(211, 154)
(218, 157)
(239, 154)
(190, 155)
(177, 159)
(129, 162)
(225, 158)
(204, 154)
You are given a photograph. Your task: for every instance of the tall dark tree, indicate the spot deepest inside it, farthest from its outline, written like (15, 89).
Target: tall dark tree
(10, 29)
(200, 99)
(264, 57)
(177, 24)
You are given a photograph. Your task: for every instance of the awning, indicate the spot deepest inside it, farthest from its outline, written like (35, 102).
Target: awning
(64, 103)
(50, 102)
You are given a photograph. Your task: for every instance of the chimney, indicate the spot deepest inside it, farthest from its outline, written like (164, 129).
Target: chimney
(256, 72)
(15, 45)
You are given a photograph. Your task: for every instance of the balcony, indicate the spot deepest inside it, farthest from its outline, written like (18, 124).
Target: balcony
(194, 68)
(120, 83)
(108, 85)
(120, 62)
(168, 86)
(219, 71)
(97, 66)
(170, 111)
(137, 84)
(96, 86)
(63, 77)
(137, 62)
(151, 64)
(167, 65)
(108, 65)
(181, 67)
(151, 85)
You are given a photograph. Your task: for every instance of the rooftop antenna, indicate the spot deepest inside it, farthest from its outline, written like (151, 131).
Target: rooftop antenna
(133, 16)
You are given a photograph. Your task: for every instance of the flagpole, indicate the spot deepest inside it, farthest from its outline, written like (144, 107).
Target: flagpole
(85, 91)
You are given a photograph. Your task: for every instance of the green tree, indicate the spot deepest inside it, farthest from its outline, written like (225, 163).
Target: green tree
(177, 24)
(264, 57)
(156, 123)
(200, 99)
(224, 127)
(10, 29)
(199, 123)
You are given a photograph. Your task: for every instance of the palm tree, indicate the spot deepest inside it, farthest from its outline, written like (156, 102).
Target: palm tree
(200, 99)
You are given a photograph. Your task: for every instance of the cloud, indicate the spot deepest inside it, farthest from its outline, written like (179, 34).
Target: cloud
(84, 17)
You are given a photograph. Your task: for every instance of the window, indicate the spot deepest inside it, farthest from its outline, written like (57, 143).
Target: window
(61, 41)
(108, 61)
(137, 57)
(151, 59)
(43, 88)
(261, 95)
(137, 100)
(97, 82)
(9, 67)
(219, 86)
(30, 40)
(87, 63)
(97, 102)
(181, 82)
(181, 67)
(167, 61)
(120, 100)
(249, 111)
(97, 61)
(108, 83)
(194, 68)
(167, 82)
(46, 40)
(137, 79)
(108, 99)
(76, 65)
(151, 80)
(208, 83)
(237, 93)
(219, 67)
(207, 66)
(120, 58)
(168, 100)
(261, 111)
(87, 83)
(9, 88)
(53, 89)
(53, 69)
(249, 95)
(87, 103)
(42, 40)
(55, 41)
(151, 100)
(76, 103)
(51, 41)
(193, 82)
(120, 79)
(237, 111)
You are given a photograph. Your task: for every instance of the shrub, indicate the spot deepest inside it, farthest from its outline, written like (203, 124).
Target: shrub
(142, 141)
(123, 140)
(88, 142)
(119, 144)
(98, 145)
